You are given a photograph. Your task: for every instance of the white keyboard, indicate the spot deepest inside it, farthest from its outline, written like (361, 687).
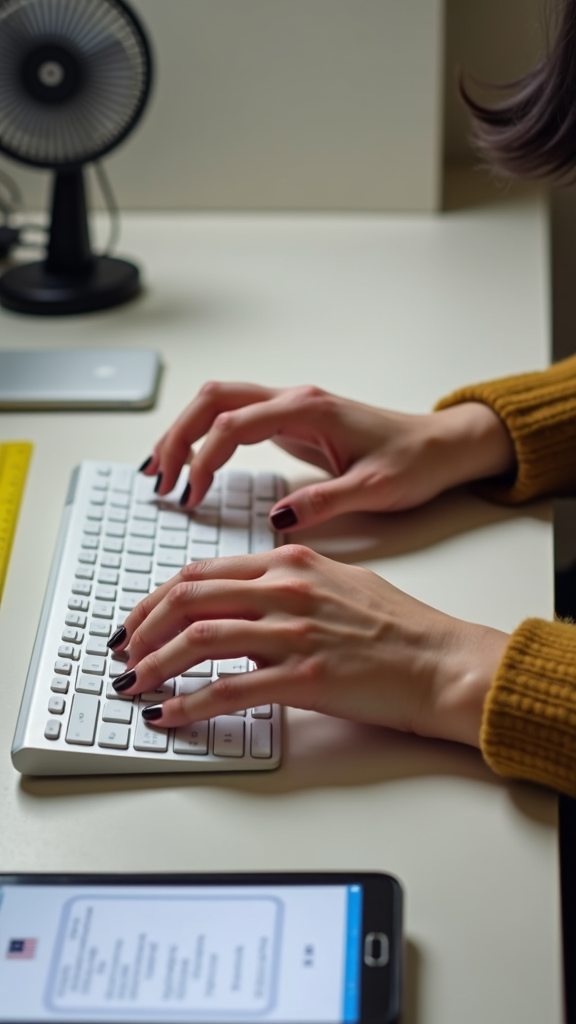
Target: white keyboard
(117, 542)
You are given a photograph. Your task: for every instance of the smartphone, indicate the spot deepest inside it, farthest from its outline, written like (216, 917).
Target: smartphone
(79, 379)
(200, 949)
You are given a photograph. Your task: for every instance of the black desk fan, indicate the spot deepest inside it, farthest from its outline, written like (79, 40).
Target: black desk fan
(74, 80)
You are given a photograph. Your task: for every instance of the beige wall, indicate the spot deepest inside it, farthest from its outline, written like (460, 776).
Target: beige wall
(287, 104)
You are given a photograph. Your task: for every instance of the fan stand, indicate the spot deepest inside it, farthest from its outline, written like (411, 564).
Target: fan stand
(71, 279)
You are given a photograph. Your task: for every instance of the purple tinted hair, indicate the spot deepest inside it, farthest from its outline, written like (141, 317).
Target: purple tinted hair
(532, 132)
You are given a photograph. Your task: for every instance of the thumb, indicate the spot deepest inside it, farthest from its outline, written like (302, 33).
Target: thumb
(317, 503)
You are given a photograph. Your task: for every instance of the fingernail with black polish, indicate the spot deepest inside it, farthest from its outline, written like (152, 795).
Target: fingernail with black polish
(158, 483)
(117, 638)
(145, 464)
(125, 681)
(185, 495)
(283, 518)
(153, 713)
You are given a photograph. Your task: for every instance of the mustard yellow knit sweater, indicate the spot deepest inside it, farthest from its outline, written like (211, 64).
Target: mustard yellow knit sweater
(529, 721)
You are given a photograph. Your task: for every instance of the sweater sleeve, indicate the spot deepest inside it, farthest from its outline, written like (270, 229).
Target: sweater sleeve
(539, 411)
(529, 721)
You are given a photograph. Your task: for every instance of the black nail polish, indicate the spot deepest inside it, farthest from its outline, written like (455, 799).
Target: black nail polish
(158, 483)
(125, 681)
(283, 518)
(117, 638)
(185, 495)
(153, 713)
(145, 464)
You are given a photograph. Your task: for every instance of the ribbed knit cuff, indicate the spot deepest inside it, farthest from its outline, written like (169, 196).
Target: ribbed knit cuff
(539, 411)
(529, 721)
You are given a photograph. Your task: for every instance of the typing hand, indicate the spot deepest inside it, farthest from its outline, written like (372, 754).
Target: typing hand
(378, 460)
(324, 636)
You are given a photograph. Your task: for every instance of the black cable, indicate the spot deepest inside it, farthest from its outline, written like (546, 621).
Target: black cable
(112, 206)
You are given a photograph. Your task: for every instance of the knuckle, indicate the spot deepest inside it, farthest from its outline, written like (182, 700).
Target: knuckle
(307, 671)
(300, 632)
(202, 631)
(180, 594)
(294, 586)
(225, 422)
(296, 556)
(226, 691)
(210, 389)
(318, 498)
(309, 393)
(153, 666)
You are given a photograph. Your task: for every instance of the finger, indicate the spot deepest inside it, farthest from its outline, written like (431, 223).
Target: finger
(223, 697)
(318, 502)
(212, 399)
(207, 640)
(189, 602)
(247, 425)
(241, 567)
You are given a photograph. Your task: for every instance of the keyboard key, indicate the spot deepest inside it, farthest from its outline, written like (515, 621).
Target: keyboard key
(97, 647)
(52, 730)
(113, 544)
(56, 705)
(122, 479)
(173, 558)
(162, 574)
(146, 738)
(234, 541)
(103, 610)
(139, 546)
(190, 684)
(238, 480)
(144, 488)
(200, 552)
(192, 739)
(78, 604)
(68, 651)
(83, 589)
(141, 528)
(263, 711)
(95, 512)
(99, 627)
(263, 537)
(112, 695)
(82, 722)
(117, 737)
(135, 582)
(64, 668)
(203, 668)
(109, 577)
(90, 542)
(137, 563)
(261, 739)
(117, 711)
(203, 533)
(129, 601)
(115, 530)
(94, 666)
(172, 539)
(147, 512)
(92, 529)
(229, 736)
(116, 668)
(110, 561)
(87, 557)
(120, 500)
(163, 692)
(105, 593)
(60, 685)
(265, 486)
(236, 499)
(232, 666)
(97, 497)
(72, 636)
(89, 684)
(84, 572)
(75, 619)
(117, 515)
(173, 521)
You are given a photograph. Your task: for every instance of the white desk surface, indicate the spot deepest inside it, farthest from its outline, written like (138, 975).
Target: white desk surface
(395, 310)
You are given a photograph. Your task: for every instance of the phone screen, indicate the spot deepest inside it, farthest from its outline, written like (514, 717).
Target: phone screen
(146, 953)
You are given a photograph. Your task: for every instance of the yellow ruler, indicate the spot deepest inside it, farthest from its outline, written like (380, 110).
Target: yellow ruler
(14, 460)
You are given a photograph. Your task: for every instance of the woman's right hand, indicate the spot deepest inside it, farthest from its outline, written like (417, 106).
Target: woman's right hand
(378, 460)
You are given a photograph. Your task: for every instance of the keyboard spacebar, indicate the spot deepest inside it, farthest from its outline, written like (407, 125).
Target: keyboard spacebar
(83, 718)
(234, 541)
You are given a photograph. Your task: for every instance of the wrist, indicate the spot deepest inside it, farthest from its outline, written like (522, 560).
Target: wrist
(465, 671)
(477, 440)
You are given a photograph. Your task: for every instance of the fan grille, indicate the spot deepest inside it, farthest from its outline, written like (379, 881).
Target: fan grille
(97, 43)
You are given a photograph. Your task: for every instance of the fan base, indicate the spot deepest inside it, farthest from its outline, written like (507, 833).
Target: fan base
(33, 289)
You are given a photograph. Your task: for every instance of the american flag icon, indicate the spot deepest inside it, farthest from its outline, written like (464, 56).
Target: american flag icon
(21, 949)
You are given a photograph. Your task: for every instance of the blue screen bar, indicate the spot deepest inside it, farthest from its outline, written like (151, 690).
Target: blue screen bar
(352, 961)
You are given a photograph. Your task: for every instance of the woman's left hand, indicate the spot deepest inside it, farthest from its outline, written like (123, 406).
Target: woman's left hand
(324, 636)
